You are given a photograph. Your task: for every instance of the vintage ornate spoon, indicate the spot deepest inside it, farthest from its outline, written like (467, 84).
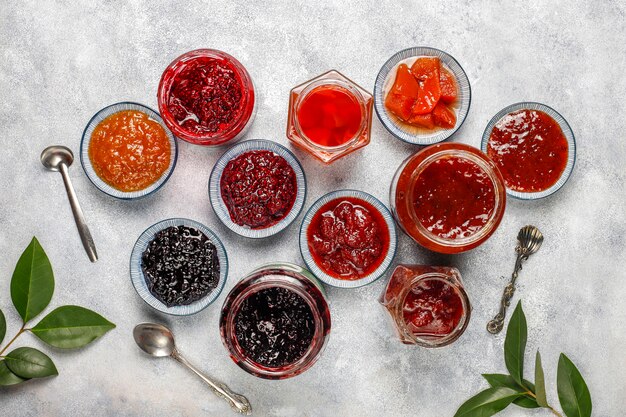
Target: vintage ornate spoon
(158, 340)
(529, 240)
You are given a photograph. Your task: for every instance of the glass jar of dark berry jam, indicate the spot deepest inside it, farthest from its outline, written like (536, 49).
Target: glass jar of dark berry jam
(275, 322)
(206, 97)
(427, 304)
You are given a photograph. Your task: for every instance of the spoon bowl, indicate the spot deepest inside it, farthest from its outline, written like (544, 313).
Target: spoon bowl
(154, 339)
(54, 156)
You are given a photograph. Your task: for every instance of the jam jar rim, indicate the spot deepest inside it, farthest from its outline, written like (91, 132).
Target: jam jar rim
(567, 132)
(431, 154)
(215, 189)
(270, 276)
(319, 82)
(236, 128)
(322, 275)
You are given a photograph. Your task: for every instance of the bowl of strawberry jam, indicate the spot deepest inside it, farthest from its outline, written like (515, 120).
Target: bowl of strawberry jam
(448, 197)
(330, 116)
(422, 95)
(534, 148)
(257, 188)
(206, 97)
(275, 322)
(348, 239)
(428, 304)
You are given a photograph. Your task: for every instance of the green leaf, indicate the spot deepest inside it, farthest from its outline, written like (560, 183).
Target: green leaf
(488, 402)
(71, 327)
(30, 363)
(501, 380)
(574, 395)
(32, 284)
(540, 383)
(515, 344)
(3, 326)
(7, 377)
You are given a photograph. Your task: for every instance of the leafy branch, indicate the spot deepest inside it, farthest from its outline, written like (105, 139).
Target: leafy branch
(509, 389)
(66, 327)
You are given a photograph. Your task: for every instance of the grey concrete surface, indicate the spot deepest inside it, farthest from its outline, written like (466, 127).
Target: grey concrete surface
(61, 61)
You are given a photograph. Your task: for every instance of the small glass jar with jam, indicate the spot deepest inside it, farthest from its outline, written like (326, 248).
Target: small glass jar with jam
(427, 304)
(448, 197)
(206, 97)
(275, 322)
(330, 116)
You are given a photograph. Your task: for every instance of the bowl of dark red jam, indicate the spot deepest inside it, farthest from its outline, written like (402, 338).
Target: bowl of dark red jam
(448, 197)
(257, 188)
(206, 97)
(348, 239)
(534, 148)
(178, 266)
(275, 322)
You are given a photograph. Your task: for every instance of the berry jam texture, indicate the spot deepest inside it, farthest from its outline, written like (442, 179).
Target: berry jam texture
(129, 151)
(348, 238)
(258, 188)
(180, 265)
(453, 197)
(274, 327)
(530, 149)
(432, 307)
(330, 116)
(205, 97)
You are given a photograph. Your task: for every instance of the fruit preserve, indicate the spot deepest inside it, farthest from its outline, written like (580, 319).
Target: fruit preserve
(275, 322)
(428, 304)
(449, 197)
(206, 97)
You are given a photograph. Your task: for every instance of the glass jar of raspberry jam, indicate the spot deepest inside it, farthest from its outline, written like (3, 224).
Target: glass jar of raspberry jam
(427, 304)
(330, 116)
(448, 197)
(206, 97)
(275, 322)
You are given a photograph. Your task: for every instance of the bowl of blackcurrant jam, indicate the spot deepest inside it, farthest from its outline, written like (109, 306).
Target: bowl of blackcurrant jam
(428, 304)
(206, 97)
(178, 266)
(275, 322)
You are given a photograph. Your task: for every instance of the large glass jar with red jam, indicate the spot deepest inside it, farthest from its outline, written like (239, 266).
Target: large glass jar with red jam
(448, 197)
(275, 322)
(206, 97)
(427, 304)
(330, 116)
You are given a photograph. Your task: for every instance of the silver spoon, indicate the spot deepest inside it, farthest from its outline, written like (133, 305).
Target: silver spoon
(529, 240)
(59, 158)
(158, 340)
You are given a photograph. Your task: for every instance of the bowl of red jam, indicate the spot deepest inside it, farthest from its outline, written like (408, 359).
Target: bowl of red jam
(127, 151)
(257, 188)
(178, 266)
(330, 116)
(534, 148)
(427, 304)
(448, 197)
(275, 322)
(206, 97)
(348, 239)
(422, 95)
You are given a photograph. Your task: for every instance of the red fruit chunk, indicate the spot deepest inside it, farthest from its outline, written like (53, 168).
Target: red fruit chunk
(447, 83)
(426, 71)
(422, 120)
(443, 116)
(403, 93)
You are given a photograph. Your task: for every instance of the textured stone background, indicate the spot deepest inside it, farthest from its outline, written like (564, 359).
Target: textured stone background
(63, 61)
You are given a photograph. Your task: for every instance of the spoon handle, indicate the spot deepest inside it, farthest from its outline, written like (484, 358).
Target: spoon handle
(495, 326)
(79, 217)
(238, 402)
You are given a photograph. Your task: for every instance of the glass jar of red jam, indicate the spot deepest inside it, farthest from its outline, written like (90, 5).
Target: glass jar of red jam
(206, 97)
(448, 197)
(427, 304)
(275, 322)
(330, 116)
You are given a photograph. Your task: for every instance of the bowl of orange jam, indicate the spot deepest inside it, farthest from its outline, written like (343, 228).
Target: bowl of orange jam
(127, 151)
